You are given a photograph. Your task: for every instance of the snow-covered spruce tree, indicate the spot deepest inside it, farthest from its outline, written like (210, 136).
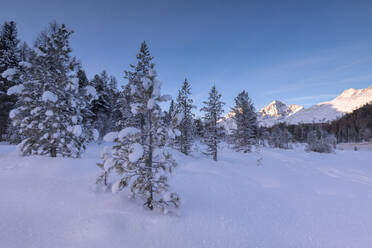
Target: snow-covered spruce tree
(9, 58)
(48, 113)
(244, 135)
(184, 107)
(12, 134)
(139, 155)
(29, 92)
(213, 112)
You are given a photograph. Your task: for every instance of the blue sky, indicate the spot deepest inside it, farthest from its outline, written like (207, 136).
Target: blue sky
(301, 52)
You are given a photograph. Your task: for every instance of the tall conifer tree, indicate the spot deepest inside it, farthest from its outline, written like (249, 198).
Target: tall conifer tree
(102, 105)
(48, 113)
(213, 113)
(244, 134)
(184, 107)
(139, 155)
(9, 59)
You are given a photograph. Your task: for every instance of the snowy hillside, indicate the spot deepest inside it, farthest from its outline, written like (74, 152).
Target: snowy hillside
(295, 199)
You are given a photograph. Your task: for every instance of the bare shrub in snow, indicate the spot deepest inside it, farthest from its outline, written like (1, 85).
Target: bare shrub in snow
(280, 138)
(320, 141)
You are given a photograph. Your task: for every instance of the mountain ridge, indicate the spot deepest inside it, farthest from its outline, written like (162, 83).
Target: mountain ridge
(349, 100)
(278, 111)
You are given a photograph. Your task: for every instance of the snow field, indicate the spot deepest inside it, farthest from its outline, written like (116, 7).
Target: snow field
(294, 199)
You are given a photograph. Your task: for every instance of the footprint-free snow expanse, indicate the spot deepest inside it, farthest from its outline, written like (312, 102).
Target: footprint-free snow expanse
(294, 199)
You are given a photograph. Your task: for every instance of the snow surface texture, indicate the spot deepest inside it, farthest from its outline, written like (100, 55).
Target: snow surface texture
(295, 199)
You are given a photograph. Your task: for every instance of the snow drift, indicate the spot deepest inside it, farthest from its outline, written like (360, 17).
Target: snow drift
(295, 199)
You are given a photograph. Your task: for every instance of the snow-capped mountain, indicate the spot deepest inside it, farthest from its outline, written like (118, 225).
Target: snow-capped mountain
(278, 111)
(346, 102)
(273, 113)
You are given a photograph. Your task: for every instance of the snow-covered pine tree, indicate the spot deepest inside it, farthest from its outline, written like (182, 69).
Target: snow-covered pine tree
(9, 59)
(25, 113)
(213, 112)
(139, 155)
(48, 113)
(184, 107)
(12, 134)
(244, 135)
(102, 107)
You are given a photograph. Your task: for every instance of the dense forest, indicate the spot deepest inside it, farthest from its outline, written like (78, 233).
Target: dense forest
(352, 127)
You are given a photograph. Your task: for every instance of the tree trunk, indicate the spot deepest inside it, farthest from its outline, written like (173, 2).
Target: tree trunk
(215, 139)
(215, 147)
(53, 152)
(149, 202)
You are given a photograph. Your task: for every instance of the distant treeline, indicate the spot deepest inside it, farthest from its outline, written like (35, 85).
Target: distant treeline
(352, 127)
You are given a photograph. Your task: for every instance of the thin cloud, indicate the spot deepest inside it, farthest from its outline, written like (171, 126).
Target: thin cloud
(335, 60)
(303, 85)
(356, 79)
(313, 97)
